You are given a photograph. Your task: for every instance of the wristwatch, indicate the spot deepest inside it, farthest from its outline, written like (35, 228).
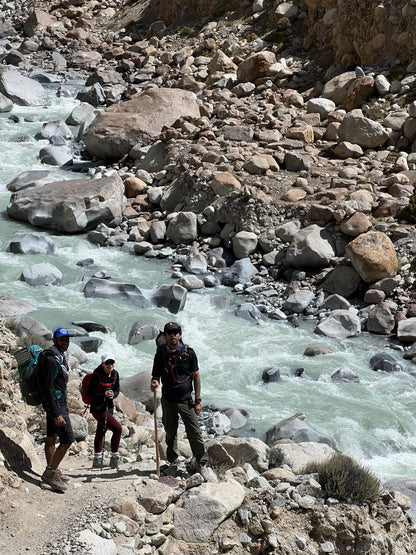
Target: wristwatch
(198, 401)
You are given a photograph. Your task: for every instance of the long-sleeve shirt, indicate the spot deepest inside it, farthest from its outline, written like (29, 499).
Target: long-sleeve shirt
(99, 384)
(53, 386)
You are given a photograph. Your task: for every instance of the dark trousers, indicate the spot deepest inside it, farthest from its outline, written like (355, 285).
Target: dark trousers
(102, 427)
(185, 409)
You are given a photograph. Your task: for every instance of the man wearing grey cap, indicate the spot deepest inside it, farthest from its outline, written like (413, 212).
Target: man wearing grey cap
(53, 369)
(176, 366)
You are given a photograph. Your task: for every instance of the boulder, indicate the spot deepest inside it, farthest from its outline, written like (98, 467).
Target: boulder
(294, 428)
(70, 206)
(10, 306)
(406, 330)
(140, 120)
(298, 455)
(373, 256)
(255, 66)
(144, 330)
(32, 178)
(244, 244)
(248, 449)
(137, 388)
(249, 311)
(385, 363)
(271, 375)
(380, 319)
(240, 272)
(344, 375)
(298, 302)
(342, 280)
(22, 90)
(340, 324)
(183, 228)
(362, 131)
(32, 243)
(42, 274)
(311, 247)
(200, 511)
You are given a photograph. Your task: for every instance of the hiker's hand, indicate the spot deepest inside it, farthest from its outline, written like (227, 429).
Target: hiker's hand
(154, 384)
(198, 408)
(109, 393)
(60, 420)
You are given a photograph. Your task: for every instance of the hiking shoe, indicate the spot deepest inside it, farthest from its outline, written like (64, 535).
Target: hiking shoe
(204, 470)
(115, 460)
(98, 462)
(63, 476)
(51, 477)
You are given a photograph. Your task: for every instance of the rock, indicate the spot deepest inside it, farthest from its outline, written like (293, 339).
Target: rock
(342, 280)
(298, 302)
(98, 545)
(55, 155)
(42, 274)
(385, 363)
(121, 126)
(255, 66)
(22, 90)
(357, 224)
(240, 272)
(32, 243)
(250, 312)
(298, 455)
(138, 390)
(340, 324)
(10, 306)
(223, 183)
(373, 256)
(249, 449)
(271, 375)
(316, 349)
(294, 428)
(244, 244)
(406, 330)
(344, 375)
(380, 319)
(79, 426)
(335, 302)
(311, 247)
(199, 512)
(183, 228)
(34, 178)
(190, 283)
(362, 131)
(70, 206)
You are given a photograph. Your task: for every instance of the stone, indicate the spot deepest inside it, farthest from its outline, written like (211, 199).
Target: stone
(362, 131)
(255, 66)
(42, 274)
(23, 90)
(31, 243)
(244, 244)
(121, 126)
(380, 319)
(183, 228)
(342, 280)
(223, 183)
(311, 247)
(340, 324)
(406, 330)
(373, 256)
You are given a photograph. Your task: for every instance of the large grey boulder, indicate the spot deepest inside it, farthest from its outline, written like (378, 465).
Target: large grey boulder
(137, 388)
(70, 206)
(22, 90)
(298, 301)
(340, 324)
(406, 486)
(172, 297)
(32, 243)
(294, 428)
(343, 280)
(384, 362)
(248, 311)
(406, 330)
(311, 247)
(362, 131)
(42, 274)
(96, 544)
(55, 155)
(144, 330)
(380, 319)
(32, 178)
(248, 449)
(244, 243)
(183, 228)
(201, 510)
(298, 455)
(140, 120)
(12, 306)
(6, 105)
(156, 496)
(240, 272)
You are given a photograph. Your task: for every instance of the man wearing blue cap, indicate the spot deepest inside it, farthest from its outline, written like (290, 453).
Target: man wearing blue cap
(53, 377)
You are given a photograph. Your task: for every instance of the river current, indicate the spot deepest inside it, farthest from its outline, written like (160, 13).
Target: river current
(373, 420)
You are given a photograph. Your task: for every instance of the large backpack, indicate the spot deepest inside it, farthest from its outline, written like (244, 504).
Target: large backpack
(87, 399)
(27, 360)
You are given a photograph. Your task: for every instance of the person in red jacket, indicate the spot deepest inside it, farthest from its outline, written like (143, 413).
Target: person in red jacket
(104, 387)
(53, 369)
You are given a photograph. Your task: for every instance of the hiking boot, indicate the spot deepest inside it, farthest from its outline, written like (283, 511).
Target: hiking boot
(114, 460)
(204, 470)
(51, 477)
(98, 461)
(63, 476)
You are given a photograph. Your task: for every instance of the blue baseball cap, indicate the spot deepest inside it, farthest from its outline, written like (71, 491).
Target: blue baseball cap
(61, 332)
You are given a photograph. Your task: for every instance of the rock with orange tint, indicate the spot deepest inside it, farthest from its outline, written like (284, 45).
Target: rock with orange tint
(373, 256)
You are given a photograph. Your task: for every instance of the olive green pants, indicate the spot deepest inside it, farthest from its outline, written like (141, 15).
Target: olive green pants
(170, 419)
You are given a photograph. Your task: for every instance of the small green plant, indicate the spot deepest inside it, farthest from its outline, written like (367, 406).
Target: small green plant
(185, 32)
(251, 36)
(277, 457)
(345, 479)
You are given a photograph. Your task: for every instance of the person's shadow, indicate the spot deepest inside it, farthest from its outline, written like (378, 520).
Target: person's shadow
(16, 460)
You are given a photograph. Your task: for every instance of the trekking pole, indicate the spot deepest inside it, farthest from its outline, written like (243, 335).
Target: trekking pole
(105, 429)
(156, 439)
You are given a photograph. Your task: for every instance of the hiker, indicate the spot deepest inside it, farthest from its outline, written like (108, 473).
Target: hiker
(53, 369)
(103, 388)
(176, 365)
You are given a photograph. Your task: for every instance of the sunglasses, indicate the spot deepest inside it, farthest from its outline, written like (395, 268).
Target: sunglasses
(109, 362)
(172, 332)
